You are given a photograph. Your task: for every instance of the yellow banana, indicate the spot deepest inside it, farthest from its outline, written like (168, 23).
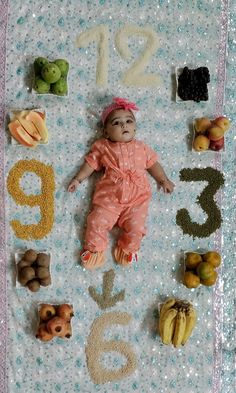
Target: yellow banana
(191, 319)
(168, 325)
(179, 330)
(165, 307)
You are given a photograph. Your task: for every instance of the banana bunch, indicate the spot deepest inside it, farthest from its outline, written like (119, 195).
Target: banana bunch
(176, 322)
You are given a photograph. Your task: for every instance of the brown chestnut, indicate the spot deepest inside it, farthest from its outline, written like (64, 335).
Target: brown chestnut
(42, 272)
(30, 255)
(43, 259)
(22, 264)
(45, 282)
(33, 285)
(26, 274)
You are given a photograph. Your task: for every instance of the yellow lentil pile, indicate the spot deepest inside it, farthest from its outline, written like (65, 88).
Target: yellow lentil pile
(45, 200)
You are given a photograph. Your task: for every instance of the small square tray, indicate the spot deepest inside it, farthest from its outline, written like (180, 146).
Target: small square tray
(178, 72)
(195, 134)
(34, 92)
(55, 305)
(14, 142)
(18, 256)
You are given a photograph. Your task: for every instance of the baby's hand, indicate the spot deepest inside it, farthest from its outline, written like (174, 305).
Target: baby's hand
(73, 185)
(167, 186)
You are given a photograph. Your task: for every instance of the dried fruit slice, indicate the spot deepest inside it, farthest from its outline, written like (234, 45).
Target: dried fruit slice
(39, 123)
(30, 128)
(15, 115)
(18, 133)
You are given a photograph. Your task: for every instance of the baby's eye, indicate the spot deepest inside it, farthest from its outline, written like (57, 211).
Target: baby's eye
(129, 121)
(115, 123)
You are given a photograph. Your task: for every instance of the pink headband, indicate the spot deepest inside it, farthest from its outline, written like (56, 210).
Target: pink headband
(118, 103)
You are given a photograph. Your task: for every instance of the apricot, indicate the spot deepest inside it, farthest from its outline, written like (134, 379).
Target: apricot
(222, 122)
(201, 143)
(213, 258)
(215, 133)
(192, 260)
(202, 124)
(205, 270)
(65, 311)
(46, 312)
(56, 326)
(191, 280)
(211, 280)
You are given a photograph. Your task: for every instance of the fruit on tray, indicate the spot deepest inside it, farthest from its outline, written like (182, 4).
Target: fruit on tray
(201, 142)
(51, 77)
(60, 87)
(41, 86)
(39, 62)
(191, 279)
(50, 73)
(202, 124)
(192, 84)
(200, 268)
(54, 321)
(209, 134)
(177, 319)
(63, 65)
(46, 312)
(28, 127)
(213, 258)
(217, 145)
(65, 311)
(30, 272)
(20, 134)
(215, 132)
(222, 122)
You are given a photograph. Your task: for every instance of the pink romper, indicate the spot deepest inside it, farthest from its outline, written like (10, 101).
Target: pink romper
(122, 195)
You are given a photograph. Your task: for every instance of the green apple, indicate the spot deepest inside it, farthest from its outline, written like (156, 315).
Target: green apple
(51, 73)
(60, 87)
(39, 62)
(63, 65)
(41, 86)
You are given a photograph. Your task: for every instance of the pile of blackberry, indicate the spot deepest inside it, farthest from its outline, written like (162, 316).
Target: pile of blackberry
(192, 84)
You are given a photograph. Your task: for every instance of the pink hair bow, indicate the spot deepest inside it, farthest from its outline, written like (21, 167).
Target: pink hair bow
(118, 103)
(125, 103)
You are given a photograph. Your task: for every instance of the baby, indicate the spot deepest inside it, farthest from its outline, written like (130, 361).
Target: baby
(122, 195)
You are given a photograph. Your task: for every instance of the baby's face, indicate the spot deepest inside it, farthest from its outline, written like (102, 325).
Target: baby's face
(120, 126)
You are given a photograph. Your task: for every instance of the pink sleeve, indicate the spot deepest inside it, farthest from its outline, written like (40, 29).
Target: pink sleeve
(151, 157)
(93, 158)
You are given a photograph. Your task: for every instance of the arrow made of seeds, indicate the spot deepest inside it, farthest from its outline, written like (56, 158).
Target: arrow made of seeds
(106, 300)
(215, 180)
